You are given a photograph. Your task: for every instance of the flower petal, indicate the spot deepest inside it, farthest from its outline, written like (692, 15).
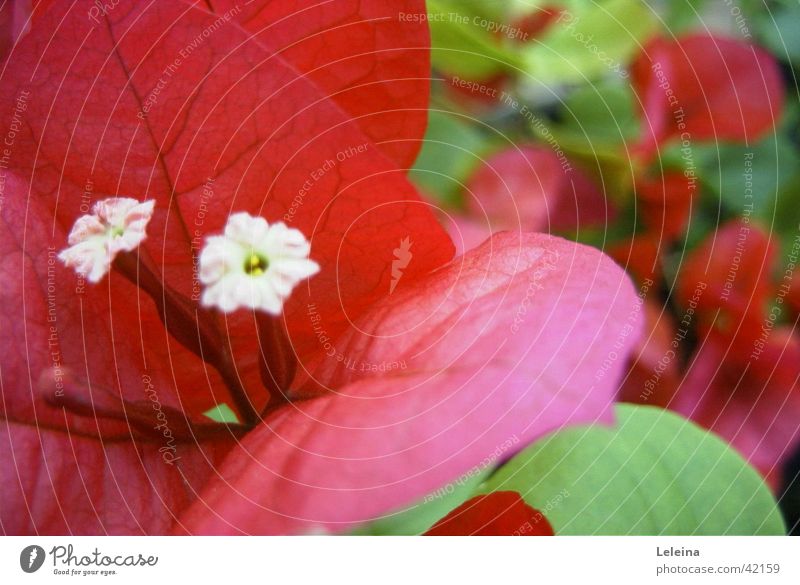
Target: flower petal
(52, 482)
(520, 337)
(706, 87)
(258, 136)
(754, 404)
(530, 188)
(361, 53)
(495, 514)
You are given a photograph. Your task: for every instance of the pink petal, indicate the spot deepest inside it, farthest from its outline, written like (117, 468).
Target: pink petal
(462, 368)
(533, 189)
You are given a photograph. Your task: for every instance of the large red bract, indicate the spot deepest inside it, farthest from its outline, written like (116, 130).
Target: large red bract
(208, 109)
(702, 87)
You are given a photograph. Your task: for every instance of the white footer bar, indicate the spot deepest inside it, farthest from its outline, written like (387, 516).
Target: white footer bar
(387, 560)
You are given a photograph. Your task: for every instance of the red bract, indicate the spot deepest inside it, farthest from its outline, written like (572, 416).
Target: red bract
(14, 17)
(530, 188)
(743, 379)
(160, 102)
(409, 372)
(56, 482)
(472, 95)
(665, 203)
(641, 256)
(703, 87)
(145, 108)
(508, 341)
(726, 280)
(654, 373)
(373, 64)
(94, 438)
(495, 514)
(753, 404)
(12, 20)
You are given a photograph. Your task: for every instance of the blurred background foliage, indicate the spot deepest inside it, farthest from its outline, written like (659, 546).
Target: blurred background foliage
(556, 75)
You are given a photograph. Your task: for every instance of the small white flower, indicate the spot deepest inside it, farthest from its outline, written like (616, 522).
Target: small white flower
(115, 225)
(255, 265)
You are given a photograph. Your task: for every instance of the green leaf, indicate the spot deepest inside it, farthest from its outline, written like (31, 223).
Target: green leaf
(590, 41)
(748, 179)
(680, 15)
(222, 413)
(462, 44)
(598, 120)
(603, 111)
(448, 155)
(418, 518)
(779, 31)
(655, 473)
(787, 216)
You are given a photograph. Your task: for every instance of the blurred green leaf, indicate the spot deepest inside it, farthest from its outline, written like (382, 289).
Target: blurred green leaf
(787, 216)
(489, 9)
(598, 119)
(461, 46)
(590, 41)
(596, 123)
(748, 179)
(679, 15)
(779, 31)
(448, 155)
(654, 473)
(706, 218)
(521, 8)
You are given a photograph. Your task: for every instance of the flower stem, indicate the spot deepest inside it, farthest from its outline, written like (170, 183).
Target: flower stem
(194, 327)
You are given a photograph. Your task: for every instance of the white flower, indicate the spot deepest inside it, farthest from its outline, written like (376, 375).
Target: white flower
(115, 225)
(255, 265)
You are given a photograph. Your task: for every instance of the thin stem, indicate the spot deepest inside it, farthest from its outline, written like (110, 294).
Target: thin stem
(278, 363)
(195, 328)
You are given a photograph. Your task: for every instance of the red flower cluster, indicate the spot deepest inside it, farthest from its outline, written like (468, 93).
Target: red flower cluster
(694, 89)
(743, 374)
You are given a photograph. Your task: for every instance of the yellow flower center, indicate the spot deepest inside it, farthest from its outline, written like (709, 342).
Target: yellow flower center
(255, 265)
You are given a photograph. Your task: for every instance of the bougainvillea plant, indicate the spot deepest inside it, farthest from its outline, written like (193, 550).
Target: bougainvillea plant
(349, 401)
(227, 309)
